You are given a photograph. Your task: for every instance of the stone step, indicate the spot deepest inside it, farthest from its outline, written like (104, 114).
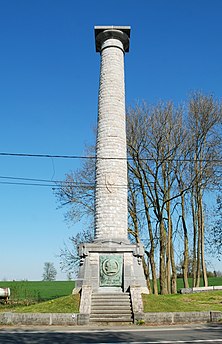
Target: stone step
(110, 296)
(110, 293)
(108, 317)
(111, 311)
(110, 302)
(111, 308)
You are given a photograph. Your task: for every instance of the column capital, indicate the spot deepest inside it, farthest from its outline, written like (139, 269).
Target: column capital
(102, 33)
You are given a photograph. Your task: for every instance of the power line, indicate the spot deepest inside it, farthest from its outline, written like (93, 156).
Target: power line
(41, 182)
(27, 155)
(94, 157)
(44, 180)
(29, 184)
(57, 186)
(53, 186)
(52, 183)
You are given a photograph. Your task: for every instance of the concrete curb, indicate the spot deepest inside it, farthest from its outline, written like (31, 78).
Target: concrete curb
(10, 318)
(200, 289)
(182, 317)
(69, 319)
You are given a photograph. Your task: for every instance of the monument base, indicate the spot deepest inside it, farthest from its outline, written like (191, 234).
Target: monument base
(111, 264)
(111, 267)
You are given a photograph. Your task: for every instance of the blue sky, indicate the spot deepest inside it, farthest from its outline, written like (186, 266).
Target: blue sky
(49, 74)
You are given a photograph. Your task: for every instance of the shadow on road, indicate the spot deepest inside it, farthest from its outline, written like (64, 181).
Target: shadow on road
(207, 333)
(65, 338)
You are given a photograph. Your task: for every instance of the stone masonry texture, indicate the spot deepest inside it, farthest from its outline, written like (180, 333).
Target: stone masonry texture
(70, 319)
(111, 164)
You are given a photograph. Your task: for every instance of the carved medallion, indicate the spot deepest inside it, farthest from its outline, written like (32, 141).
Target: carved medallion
(110, 267)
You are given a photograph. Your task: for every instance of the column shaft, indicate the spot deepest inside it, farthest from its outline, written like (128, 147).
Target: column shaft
(111, 164)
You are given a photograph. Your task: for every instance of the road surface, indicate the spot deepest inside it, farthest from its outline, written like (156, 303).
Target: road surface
(202, 334)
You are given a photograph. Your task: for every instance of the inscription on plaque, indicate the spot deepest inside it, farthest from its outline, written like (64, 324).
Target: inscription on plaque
(111, 270)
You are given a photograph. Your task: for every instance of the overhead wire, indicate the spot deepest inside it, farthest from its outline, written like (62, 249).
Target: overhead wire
(39, 182)
(51, 183)
(58, 183)
(28, 184)
(98, 157)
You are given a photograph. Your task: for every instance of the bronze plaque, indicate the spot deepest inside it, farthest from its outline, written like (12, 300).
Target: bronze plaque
(111, 270)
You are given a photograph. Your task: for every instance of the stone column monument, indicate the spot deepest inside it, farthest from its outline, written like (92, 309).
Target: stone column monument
(111, 263)
(111, 163)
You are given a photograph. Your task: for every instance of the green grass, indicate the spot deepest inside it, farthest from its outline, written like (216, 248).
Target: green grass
(38, 290)
(212, 281)
(65, 304)
(41, 297)
(27, 296)
(200, 302)
(43, 291)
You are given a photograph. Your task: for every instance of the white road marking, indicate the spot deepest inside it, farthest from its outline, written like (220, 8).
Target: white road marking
(168, 342)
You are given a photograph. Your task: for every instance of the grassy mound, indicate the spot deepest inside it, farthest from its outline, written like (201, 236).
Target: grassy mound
(66, 304)
(200, 302)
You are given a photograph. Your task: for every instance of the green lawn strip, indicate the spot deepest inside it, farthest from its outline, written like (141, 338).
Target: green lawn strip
(212, 281)
(44, 290)
(200, 302)
(26, 297)
(66, 304)
(38, 290)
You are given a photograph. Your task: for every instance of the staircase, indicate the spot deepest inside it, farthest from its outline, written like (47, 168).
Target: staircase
(111, 308)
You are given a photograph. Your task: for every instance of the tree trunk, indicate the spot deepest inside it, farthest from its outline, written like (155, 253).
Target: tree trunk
(174, 271)
(186, 250)
(150, 231)
(153, 270)
(194, 262)
(163, 286)
(146, 269)
(198, 242)
(204, 270)
(168, 250)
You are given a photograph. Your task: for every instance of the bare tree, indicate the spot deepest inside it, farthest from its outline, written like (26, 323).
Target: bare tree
(215, 239)
(154, 139)
(49, 272)
(173, 159)
(69, 257)
(204, 120)
(76, 193)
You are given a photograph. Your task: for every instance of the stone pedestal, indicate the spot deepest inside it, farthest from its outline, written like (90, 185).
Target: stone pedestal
(109, 266)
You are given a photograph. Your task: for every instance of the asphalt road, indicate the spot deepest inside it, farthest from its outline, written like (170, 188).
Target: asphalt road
(201, 334)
